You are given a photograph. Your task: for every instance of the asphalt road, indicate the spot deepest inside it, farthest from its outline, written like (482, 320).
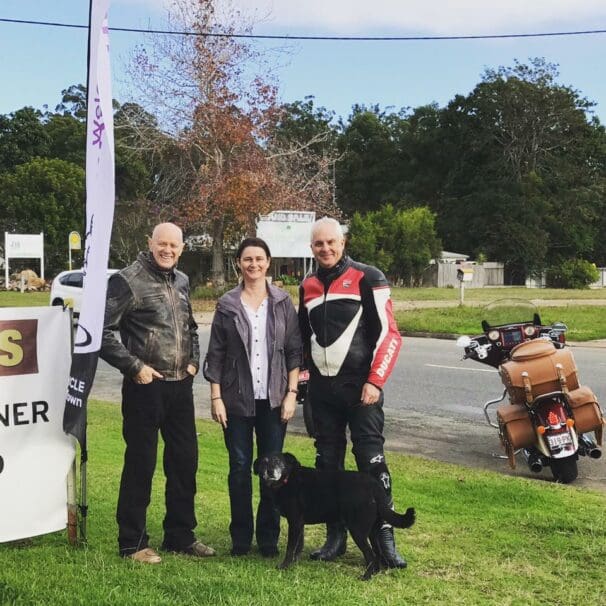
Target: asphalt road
(433, 405)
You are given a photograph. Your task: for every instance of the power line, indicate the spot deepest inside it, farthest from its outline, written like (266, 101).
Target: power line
(297, 37)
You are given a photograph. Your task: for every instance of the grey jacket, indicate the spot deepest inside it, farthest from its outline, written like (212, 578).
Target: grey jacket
(227, 360)
(151, 309)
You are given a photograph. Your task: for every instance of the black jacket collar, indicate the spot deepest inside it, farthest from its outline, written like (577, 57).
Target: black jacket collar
(327, 275)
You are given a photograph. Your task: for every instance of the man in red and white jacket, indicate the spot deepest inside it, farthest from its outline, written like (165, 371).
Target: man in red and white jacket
(351, 344)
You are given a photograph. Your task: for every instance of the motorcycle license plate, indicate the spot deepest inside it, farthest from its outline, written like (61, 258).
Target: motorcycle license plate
(559, 440)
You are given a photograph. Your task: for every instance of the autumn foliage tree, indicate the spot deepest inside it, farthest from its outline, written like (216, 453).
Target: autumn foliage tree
(216, 107)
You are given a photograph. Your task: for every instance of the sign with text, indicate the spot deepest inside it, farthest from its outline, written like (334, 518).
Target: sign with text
(35, 453)
(23, 246)
(100, 198)
(287, 233)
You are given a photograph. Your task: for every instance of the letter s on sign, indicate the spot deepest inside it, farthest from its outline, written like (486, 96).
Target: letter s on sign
(11, 353)
(18, 347)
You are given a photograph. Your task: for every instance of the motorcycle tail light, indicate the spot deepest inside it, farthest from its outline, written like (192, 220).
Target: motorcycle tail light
(541, 429)
(569, 422)
(552, 418)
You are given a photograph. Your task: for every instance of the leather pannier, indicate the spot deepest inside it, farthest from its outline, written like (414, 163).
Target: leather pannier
(538, 358)
(586, 412)
(515, 427)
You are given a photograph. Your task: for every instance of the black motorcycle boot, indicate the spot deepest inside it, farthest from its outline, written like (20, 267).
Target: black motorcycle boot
(389, 554)
(336, 543)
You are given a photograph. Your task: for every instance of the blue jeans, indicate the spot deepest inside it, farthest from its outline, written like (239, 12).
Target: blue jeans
(269, 430)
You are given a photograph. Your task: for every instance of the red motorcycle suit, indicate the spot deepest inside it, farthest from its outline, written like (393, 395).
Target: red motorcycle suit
(347, 322)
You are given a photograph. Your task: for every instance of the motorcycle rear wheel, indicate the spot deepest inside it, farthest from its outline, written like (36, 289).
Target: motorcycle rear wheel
(564, 470)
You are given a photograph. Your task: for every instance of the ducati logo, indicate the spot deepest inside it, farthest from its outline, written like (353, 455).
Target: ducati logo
(346, 283)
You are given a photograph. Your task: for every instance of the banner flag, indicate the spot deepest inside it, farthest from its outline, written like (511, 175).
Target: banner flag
(100, 196)
(35, 453)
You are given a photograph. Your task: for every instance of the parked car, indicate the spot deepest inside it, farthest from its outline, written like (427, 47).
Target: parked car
(66, 289)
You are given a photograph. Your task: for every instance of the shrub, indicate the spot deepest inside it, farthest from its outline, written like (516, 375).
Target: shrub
(573, 273)
(288, 280)
(210, 293)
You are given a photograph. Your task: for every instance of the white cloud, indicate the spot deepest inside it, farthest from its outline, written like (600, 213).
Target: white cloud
(440, 17)
(423, 16)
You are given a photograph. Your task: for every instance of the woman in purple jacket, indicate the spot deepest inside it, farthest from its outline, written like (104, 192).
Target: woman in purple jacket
(252, 366)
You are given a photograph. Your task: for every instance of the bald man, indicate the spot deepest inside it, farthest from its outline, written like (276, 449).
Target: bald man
(158, 353)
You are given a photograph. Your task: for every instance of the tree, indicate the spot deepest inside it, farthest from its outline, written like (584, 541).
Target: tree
(302, 149)
(365, 175)
(399, 242)
(134, 221)
(73, 102)
(44, 195)
(216, 109)
(22, 137)
(521, 168)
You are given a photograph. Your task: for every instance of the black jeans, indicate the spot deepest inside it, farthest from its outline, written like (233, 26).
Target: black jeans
(335, 405)
(168, 407)
(270, 430)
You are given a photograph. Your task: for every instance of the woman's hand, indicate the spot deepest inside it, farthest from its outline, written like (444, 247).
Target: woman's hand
(218, 412)
(289, 404)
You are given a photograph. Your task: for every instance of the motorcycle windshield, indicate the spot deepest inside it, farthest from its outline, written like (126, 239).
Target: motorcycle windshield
(510, 311)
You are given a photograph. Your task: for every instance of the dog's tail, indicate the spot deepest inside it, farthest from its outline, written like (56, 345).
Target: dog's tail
(399, 520)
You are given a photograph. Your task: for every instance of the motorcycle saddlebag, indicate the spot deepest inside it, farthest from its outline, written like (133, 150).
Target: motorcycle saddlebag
(538, 358)
(515, 427)
(586, 412)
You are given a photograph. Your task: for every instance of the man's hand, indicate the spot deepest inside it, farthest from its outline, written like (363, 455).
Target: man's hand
(146, 375)
(370, 394)
(192, 370)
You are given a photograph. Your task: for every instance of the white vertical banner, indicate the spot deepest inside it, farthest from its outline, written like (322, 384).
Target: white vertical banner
(35, 453)
(100, 197)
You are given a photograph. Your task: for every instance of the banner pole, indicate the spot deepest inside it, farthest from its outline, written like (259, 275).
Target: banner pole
(72, 505)
(83, 509)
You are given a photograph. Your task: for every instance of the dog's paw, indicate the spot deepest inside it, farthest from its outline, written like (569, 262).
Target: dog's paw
(411, 516)
(371, 570)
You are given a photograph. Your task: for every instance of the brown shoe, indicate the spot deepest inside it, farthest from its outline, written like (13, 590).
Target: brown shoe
(199, 550)
(146, 556)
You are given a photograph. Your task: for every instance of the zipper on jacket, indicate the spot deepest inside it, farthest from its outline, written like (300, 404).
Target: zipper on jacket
(171, 296)
(325, 327)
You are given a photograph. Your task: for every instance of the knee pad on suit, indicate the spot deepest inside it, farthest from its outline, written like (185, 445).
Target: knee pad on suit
(375, 465)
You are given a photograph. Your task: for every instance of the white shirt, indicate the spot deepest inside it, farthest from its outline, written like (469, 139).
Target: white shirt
(259, 360)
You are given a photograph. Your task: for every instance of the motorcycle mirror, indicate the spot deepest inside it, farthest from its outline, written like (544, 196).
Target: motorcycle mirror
(463, 341)
(559, 326)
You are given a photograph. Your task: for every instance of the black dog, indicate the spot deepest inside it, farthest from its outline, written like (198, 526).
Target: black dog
(308, 496)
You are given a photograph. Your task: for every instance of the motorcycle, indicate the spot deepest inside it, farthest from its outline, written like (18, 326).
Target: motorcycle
(543, 413)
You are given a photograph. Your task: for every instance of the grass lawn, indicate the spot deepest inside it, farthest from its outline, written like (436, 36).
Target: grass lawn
(492, 294)
(480, 538)
(9, 298)
(584, 322)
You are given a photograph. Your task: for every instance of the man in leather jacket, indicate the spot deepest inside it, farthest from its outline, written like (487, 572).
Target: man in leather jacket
(351, 344)
(158, 353)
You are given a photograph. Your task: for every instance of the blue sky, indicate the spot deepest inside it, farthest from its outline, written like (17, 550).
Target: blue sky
(38, 62)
